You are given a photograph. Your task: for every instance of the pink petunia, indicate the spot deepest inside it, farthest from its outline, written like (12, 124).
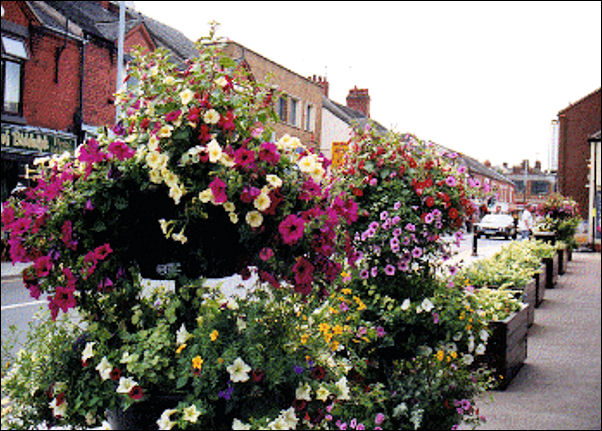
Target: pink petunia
(218, 188)
(291, 229)
(121, 150)
(266, 253)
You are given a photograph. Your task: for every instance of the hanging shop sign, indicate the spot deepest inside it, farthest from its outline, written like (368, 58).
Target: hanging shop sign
(42, 140)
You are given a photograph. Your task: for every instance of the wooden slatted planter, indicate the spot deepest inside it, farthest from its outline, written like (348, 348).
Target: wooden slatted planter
(507, 346)
(530, 298)
(551, 271)
(540, 285)
(563, 259)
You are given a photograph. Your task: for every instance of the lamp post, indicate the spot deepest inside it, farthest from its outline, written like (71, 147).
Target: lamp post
(526, 165)
(119, 77)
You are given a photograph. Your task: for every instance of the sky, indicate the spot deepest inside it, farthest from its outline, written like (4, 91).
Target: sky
(482, 78)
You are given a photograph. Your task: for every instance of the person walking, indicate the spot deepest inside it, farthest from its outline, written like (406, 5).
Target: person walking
(525, 223)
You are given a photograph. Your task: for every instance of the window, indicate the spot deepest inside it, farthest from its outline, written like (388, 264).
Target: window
(14, 52)
(294, 113)
(309, 118)
(281, 108)
(520, 186)
(540, 187)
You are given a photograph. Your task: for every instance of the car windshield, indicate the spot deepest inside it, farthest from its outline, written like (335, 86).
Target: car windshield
(497, 219)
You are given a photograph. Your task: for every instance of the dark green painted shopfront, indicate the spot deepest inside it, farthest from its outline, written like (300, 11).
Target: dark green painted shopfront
(21, 145)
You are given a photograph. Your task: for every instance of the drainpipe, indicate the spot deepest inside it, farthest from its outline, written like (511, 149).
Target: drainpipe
(119, 78)
(80, 113)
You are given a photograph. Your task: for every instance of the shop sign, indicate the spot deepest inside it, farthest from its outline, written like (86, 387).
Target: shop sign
(34, 139)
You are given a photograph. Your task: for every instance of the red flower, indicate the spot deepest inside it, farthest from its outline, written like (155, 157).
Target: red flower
(64, 298)
(453, 213)
(291, 229)
(266, 253)
(115, 374)
(299, 405)
(136, 392)
(257, 375)
(430, 201)
(244, 157)
(318, 372)
(121, 150)
(218, 188)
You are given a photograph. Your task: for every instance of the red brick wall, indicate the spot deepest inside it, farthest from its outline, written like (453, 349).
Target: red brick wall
(99, 86)
(576, 124)
(47, 103)
(13, 12)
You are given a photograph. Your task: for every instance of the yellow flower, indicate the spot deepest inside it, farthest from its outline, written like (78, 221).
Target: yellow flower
(179, 349)
(186, 96)
(323, 327)
(334, 346)
(197, 362)
(211, 117)
(262, 202)
(214, 335)
(440, 355)
(254, 218)
(304, 338)
(345, 291)
(220, 361)
(332, 310)
(327, 336)
(337, 330)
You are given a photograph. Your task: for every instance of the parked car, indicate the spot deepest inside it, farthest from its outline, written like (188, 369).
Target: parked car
(496, 225)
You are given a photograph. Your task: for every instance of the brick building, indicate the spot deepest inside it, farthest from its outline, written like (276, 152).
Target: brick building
(576, 124)
(299, 106)
(533, 185)
(59, 65)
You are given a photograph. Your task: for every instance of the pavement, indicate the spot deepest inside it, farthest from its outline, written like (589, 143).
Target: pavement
(12, 271)
(558, 387)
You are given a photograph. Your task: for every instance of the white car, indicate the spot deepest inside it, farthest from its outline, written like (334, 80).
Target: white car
(496, 225)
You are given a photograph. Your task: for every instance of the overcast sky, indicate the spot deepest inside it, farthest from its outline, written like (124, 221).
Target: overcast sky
(486, 79)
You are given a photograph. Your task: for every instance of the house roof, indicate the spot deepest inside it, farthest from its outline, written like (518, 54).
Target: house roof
(99, 22)
(583, 99)
(350, 115)
(596, 137)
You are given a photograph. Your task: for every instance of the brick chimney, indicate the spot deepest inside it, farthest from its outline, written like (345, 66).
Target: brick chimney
(359, 99)
(538, 165)
(104, 4)
(487, 163)
(322, 82)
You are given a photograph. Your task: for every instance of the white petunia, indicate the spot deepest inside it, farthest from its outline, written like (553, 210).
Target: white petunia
(289, 417)
(191, 414)
(342, 388)
(239, 425)
(254, 218)
(427, 305)
(405, 305)
(215, 151)
(88, 351)
(182, 335)
(303, 392)
(186, 96)
(125, 385)
(274, 180)
(104, 368)
(211, 116)
(480, 349)
(262, 202)
(239, 371)
(164, 422)
(322, 393)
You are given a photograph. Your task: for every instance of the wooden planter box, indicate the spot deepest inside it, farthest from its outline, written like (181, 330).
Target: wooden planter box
(563, 259)
(507, 346)
(569, 254)
(540, 285)
(530, 298)
(551, 264)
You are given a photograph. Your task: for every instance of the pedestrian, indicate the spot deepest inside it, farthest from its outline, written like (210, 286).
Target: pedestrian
(525, 223)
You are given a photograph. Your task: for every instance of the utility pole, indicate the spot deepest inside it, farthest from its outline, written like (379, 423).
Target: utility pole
(119, 78)
(526, 164)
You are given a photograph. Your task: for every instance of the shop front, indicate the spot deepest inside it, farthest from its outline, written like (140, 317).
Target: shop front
(21, 145)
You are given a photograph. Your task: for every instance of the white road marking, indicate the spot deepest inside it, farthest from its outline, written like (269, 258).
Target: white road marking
(24, 304)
